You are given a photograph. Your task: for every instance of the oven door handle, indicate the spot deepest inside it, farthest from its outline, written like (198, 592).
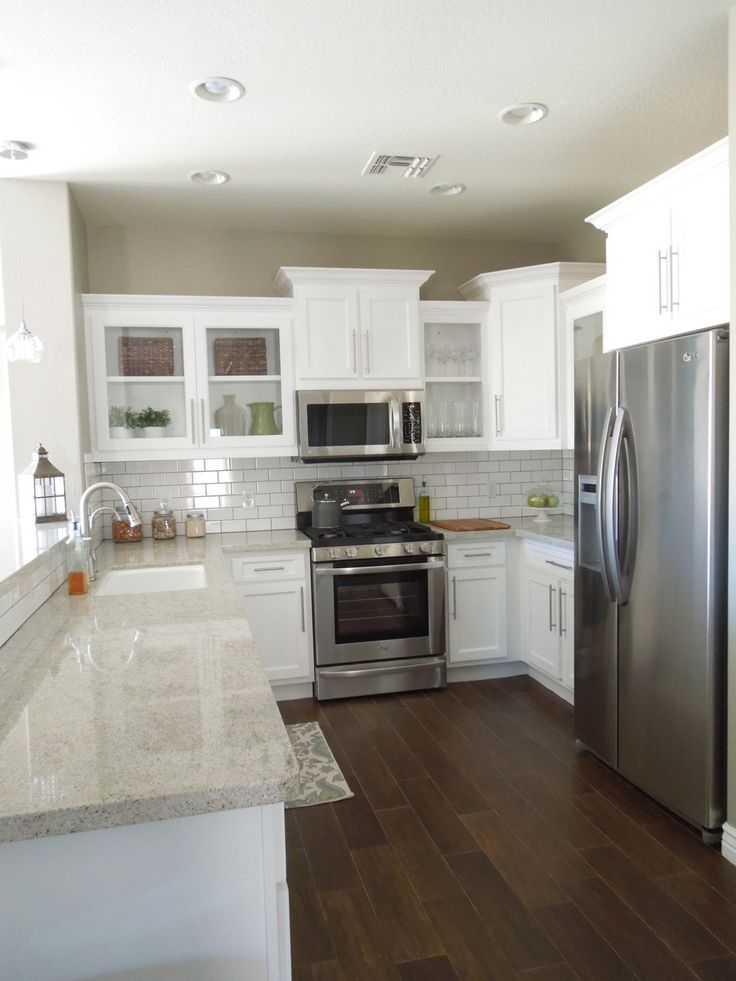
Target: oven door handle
(376, 570)
(381, 669)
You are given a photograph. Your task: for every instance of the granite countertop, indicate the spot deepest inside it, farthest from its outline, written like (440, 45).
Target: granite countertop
(263, 541)
(560, 531)
(119, 710)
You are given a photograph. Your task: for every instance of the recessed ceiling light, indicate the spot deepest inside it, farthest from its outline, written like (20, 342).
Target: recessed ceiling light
(209, 177)
(218, 88)
(14, 150)
(523, 113)
(447, 190)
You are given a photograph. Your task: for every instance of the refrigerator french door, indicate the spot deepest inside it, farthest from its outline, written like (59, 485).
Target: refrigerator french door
(650, 581)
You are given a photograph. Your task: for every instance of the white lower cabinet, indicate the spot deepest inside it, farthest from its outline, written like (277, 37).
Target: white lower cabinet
(548, 611)
(477, 603)
(274, 592)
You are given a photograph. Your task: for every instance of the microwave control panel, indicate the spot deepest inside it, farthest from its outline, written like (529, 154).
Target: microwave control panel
(411, 417)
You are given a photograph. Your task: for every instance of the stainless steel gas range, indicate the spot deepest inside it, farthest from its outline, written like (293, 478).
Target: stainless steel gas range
(378, 591)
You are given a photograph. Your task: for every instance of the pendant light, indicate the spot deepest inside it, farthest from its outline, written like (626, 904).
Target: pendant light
(23, 345)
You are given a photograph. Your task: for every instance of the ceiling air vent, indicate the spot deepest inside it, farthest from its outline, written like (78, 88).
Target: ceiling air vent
(395, 163)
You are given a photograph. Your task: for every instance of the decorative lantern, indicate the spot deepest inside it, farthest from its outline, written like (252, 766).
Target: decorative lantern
(49, 494)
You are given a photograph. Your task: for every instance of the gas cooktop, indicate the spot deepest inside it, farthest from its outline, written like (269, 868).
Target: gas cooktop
(369, 532)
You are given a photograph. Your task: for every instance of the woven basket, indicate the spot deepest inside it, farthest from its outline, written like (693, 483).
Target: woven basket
(146, 355)
(240, 356)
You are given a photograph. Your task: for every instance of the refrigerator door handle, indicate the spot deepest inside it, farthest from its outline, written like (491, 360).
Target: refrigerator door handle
(600, 506)
(631, 509)
(621, 438)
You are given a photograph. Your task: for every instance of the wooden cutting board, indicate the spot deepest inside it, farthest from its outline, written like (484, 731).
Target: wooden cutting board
(470, 524)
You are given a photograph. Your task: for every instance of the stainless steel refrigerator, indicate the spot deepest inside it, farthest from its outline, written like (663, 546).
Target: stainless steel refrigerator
(651, 443)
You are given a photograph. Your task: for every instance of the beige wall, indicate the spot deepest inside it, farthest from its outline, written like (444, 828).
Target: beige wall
(240, 263)
(584, 244)
(38, 268)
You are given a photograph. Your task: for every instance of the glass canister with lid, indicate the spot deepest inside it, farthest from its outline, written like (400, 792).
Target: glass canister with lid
(163, 523)
(122, 531)
(195, 524)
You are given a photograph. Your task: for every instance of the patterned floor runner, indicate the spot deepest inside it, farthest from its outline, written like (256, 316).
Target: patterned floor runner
(320, 778)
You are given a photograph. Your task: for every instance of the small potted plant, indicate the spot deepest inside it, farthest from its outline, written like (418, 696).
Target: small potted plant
(153, 422)
(118, 419)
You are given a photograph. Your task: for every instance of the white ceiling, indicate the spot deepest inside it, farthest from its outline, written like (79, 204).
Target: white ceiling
(101, 88)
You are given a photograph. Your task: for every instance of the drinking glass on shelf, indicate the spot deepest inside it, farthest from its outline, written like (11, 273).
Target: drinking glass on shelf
(442, 354)
(443, 419)
(469, 356)
(456, 357)
(431, 352)
(474, 410)
(458, 417)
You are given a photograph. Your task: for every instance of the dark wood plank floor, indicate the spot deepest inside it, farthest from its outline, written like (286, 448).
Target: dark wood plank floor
(481, 845)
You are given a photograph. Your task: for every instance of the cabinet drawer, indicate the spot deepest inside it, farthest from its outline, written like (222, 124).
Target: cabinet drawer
(262, 566)
(555, 562)
(476, 553)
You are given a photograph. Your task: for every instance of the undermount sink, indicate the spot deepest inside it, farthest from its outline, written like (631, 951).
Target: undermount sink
(154, 579)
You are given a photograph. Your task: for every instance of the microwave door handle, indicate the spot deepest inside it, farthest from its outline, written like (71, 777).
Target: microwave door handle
(395, 442)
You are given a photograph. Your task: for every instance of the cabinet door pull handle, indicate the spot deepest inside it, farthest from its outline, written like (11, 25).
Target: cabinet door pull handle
(355, 351)
(663, 306)
(497, 407)
(477, 555)
(304, 619)
(674, 254)
(194, 422)
(454, 598)
(270, 568)
(367, 353)
(204, 427)
(559, 565)
(552, 591)
(562, 596)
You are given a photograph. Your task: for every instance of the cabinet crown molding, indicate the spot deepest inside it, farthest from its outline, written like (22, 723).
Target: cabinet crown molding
(256, 304)
(662, 185)
(290, 276)
(590, 287)
(561, 274)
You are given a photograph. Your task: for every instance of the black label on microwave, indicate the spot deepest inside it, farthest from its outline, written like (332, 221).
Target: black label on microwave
(411, 417)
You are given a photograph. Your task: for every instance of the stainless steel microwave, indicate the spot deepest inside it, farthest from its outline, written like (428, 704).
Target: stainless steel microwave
(354, 425)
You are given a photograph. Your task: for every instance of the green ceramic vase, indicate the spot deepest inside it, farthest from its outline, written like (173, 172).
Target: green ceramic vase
(262, 420)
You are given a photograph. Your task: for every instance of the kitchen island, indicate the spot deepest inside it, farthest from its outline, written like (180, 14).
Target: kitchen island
(143, 770)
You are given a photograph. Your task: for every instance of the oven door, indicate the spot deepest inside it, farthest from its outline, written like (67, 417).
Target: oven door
(379, 610)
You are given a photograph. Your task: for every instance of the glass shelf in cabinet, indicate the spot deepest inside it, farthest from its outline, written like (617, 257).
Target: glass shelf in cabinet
(244, 378)
(148, 379)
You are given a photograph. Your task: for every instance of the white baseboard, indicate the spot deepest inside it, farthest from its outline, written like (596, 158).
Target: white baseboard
(728, 843)
(550, 683)
(287, 693)
(481, 672)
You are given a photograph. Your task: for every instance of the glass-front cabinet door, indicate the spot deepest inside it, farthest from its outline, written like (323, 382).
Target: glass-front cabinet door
(456, 375)
(244, 383)
(143, 380)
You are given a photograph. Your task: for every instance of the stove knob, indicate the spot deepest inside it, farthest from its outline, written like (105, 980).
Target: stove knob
(335, 553)
(410, 549)
(426, 547)
(379, 549)
(351, 552)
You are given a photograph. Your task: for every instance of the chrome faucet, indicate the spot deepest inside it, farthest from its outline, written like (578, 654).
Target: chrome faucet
(86, 520)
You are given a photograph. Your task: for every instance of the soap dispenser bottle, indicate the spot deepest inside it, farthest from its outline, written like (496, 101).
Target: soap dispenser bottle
(77, 563)
(424, 504)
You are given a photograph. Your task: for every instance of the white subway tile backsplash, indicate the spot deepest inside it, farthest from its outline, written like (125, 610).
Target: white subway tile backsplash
(485, 484)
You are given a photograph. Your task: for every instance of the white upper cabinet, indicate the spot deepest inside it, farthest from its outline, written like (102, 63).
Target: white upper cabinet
(528, 405)
(355, 328)
(172, 377)
(667, 253)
